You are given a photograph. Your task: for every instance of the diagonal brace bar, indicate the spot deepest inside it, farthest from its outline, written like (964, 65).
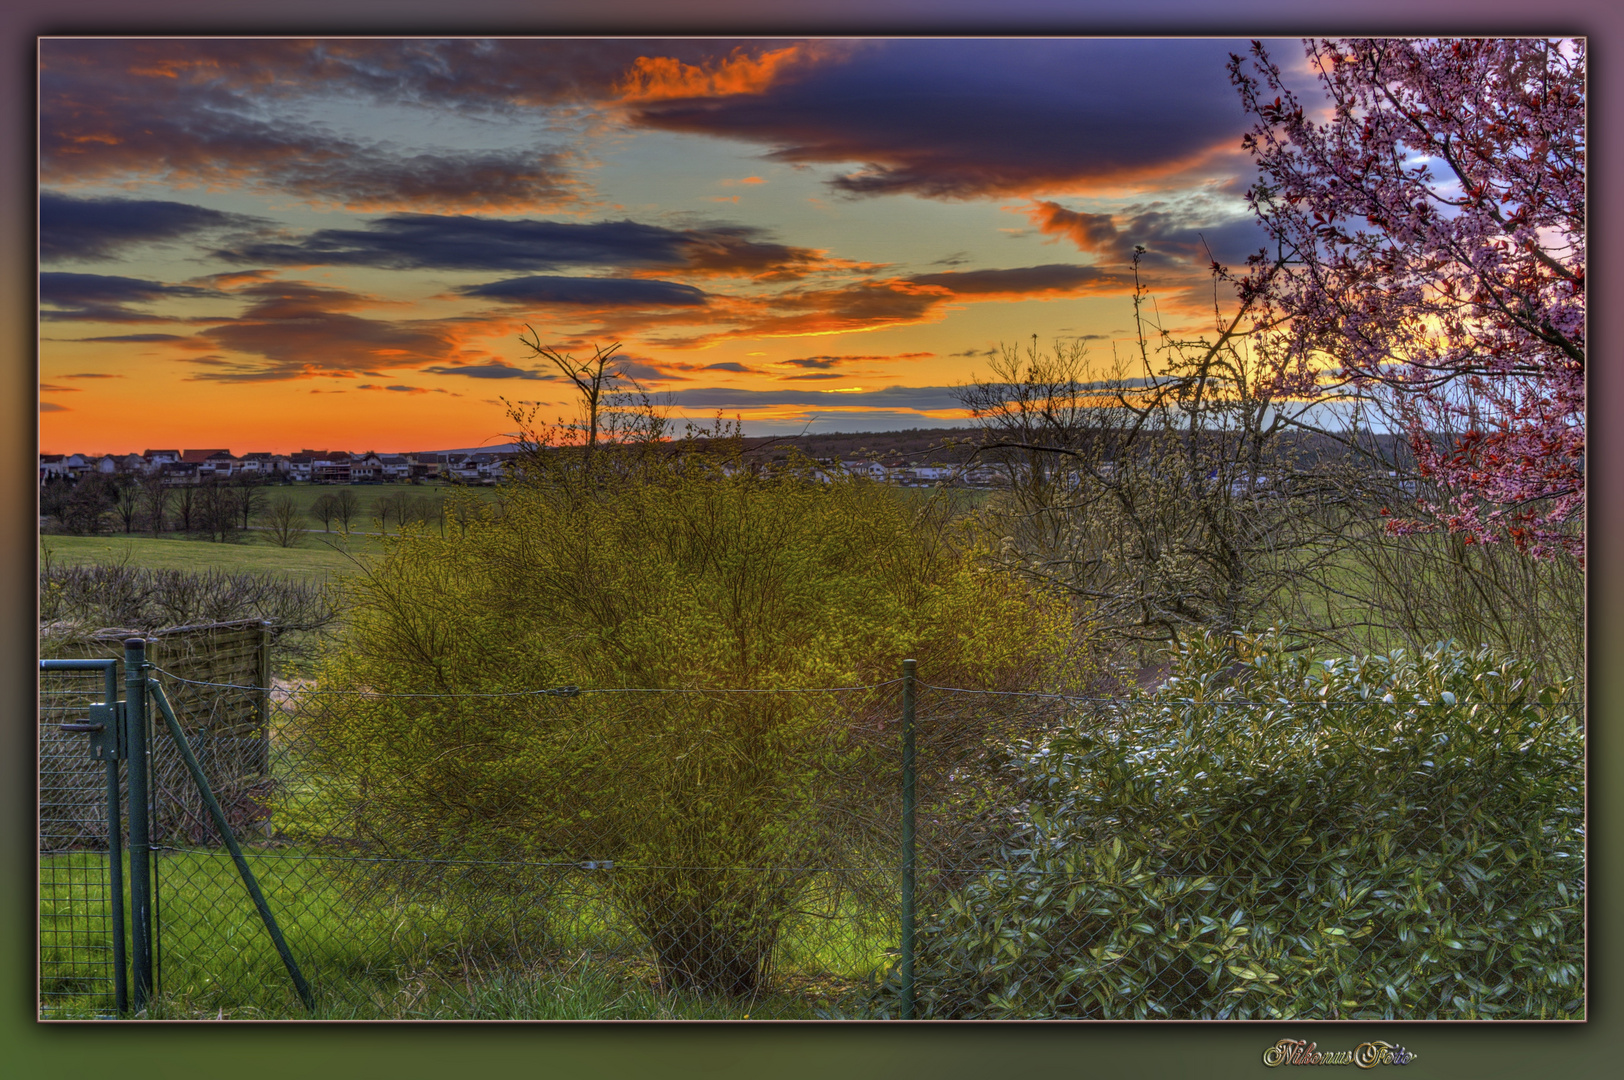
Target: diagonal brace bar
(231, 843)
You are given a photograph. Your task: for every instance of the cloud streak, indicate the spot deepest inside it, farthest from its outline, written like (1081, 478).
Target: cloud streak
(103, 227)
(106, 297)
(460, 242)
(588, 292)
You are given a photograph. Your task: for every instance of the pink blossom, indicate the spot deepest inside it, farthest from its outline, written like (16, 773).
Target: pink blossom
(1432, 230)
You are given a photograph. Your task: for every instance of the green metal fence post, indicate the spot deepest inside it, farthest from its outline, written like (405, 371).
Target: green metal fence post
(908, 853)
(117, 751)
(135, 739)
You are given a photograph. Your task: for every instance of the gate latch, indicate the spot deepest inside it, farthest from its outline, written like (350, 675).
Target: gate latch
(102, 727)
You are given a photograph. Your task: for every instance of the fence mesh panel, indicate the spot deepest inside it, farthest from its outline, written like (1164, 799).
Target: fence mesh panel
(76, 927)
(739, 851)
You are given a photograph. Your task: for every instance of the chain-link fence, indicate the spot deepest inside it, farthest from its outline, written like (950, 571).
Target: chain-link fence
(738, 853)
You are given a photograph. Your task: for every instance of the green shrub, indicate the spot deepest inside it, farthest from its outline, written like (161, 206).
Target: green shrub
(1270, 836)
(716, 798)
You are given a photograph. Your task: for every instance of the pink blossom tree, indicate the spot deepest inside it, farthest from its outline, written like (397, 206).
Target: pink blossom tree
(1432, 219)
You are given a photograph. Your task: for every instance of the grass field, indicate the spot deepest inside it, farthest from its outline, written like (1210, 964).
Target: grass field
(304, 495)
(319, 553)
(389, 961)
(316, 556)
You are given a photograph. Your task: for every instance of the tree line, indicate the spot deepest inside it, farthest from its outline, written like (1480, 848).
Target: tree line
(222, 510)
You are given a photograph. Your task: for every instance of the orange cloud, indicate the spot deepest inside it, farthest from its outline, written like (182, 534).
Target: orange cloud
(663, 78)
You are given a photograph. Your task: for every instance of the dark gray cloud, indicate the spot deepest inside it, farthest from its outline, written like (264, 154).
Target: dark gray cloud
(590, 292)
(494, 370)
(136, 339)
(461, 242)
(99, 227)
(105, 297)
(958, 118)
(904, 397)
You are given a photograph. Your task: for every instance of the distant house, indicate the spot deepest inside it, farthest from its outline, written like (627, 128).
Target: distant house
(871, 469)
(332, 467)
(366, 468)
(198, 457)
(427, 465)
(180, 472)
(220, 464)
(208, 463)
(302, 464)
(395, 466)
(468, 468)
(263, 463)
(52, 466)
(500, 466)
(157, 459)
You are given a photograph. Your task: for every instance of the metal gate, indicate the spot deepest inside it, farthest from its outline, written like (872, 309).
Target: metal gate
(94, 905)
(97, 935)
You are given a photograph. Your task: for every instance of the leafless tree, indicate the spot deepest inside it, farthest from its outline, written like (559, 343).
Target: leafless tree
(281, 519)
(188, 507)
(1164, 496)
(250, 495)
(346, 509)
(155, 495)
(219, 505)
(127, 502)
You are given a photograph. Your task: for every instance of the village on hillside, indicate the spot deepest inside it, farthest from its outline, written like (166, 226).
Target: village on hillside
(893, 458)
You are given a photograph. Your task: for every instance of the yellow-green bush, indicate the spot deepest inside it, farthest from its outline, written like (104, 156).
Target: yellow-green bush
(1270, 836)
(681, 573)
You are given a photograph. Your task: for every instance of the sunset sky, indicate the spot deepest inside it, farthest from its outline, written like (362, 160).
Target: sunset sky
(269, 244)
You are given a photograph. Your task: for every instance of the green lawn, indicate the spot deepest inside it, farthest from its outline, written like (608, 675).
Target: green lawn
(304, 495)
(368, 958)
(316, 556)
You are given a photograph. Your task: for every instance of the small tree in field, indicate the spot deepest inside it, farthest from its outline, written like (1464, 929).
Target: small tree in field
(730, 595)
(155, 495)
(127, 501)
(220, 508)
(322, 510)
(1435, 221)
(250, 489)
(188, 507)
(346, 509)
(282, 518)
